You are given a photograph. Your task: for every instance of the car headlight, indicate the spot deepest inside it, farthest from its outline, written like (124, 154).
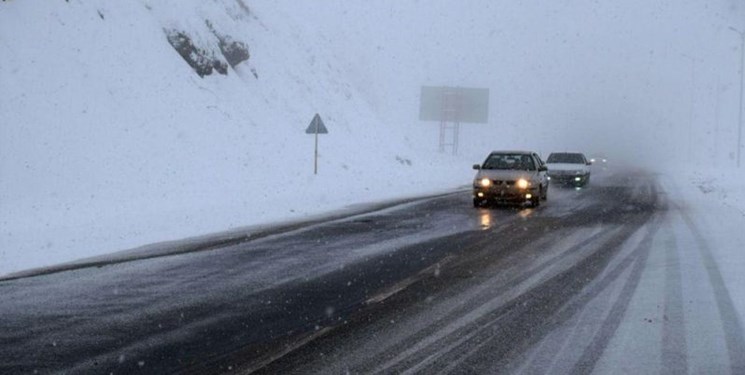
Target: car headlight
(485, 182)
(522, 183)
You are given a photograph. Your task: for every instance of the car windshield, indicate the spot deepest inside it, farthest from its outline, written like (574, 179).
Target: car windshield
(568, 158)
(520, 162)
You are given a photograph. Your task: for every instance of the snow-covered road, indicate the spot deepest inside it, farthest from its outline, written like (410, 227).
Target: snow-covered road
(636, 274)
(646, 286)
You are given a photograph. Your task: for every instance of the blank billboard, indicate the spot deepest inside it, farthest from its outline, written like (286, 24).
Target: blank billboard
(454, 104)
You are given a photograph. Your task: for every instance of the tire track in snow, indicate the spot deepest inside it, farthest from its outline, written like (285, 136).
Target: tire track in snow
(441, 335)
(526, 319)
(732, 327)
(430, 339)
(594, 350)
(674, 348)
(575, 310)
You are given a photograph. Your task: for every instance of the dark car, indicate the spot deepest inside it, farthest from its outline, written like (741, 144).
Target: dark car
(510, 177)
(568, 168)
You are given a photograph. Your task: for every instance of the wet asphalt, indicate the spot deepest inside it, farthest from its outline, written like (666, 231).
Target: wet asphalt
(367, 293)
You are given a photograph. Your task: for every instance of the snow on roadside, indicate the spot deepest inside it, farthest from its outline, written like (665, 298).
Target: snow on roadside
(109, 141)
(715, 201)
(726, 186)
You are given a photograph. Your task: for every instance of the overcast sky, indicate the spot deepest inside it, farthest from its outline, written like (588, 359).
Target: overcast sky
(590, 75)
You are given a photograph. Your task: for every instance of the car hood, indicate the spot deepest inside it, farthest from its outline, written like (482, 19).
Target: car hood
(504, 174)
(567, 167)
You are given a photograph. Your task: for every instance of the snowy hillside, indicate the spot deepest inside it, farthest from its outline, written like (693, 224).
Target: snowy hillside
(110, 140)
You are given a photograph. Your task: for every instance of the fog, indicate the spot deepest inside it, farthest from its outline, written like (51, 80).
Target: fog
(641, 81)
(165, 208)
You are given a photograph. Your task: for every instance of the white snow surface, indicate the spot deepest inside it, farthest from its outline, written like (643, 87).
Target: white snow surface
(716, 200)
(110, 141)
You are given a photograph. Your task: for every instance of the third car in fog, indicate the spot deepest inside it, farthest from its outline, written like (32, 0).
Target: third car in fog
(568, 168)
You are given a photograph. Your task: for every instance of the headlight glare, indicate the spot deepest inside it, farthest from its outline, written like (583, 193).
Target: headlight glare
(485, 182)
(522, 183)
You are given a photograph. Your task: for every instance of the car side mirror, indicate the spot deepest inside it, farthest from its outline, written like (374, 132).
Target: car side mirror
(589, 163)
(542, 168)
(476, 167)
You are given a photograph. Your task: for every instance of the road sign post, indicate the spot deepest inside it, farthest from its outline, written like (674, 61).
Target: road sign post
(316, 127)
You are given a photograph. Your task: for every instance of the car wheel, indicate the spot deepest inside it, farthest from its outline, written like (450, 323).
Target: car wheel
(545, 194)
(477, 202)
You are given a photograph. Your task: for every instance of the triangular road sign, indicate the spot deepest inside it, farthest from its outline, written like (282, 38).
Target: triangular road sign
(316, 126)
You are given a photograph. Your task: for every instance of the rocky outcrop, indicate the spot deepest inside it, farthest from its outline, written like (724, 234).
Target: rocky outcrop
(203, 62)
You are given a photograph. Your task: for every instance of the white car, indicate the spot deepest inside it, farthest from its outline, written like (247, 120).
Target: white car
(568, 168)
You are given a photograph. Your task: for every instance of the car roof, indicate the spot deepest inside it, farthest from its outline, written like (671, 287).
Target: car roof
(512, 152)
(566, 153)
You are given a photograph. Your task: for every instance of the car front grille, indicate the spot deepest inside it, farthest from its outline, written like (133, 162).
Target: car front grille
(563, 173)
(503, 182)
